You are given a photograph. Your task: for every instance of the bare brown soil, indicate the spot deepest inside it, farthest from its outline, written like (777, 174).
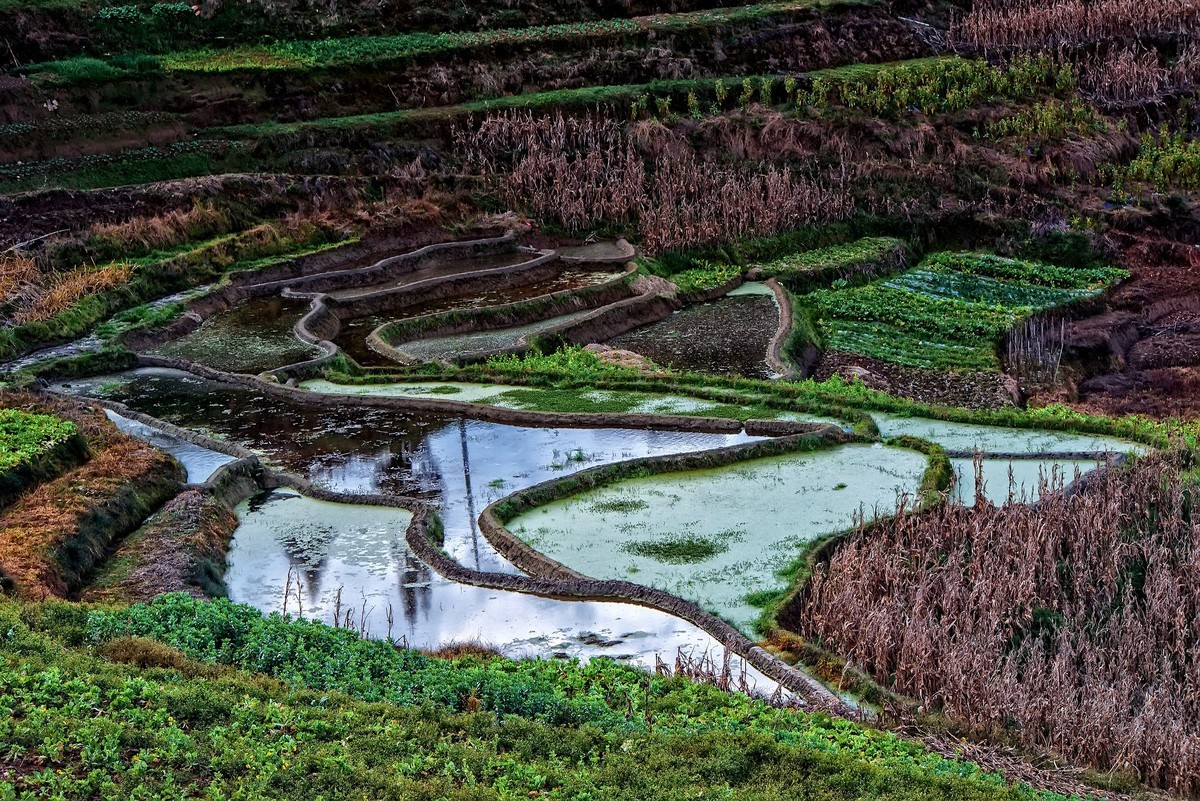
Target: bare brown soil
(972, 390)
(1141, 353)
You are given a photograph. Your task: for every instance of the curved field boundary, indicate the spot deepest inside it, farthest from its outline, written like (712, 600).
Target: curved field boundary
(454, 408)
(241, 479)
(244, 285)
(388, 339)
(775, 355)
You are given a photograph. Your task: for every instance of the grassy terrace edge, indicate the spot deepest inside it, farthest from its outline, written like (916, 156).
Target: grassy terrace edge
(835, 397)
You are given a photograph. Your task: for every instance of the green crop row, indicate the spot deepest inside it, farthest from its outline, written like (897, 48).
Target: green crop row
(935, 85)
(852, 262)
(214, 699)
(942, 319)
(140, 165)
(24, 437)
(1030, 272)
(951, 311)
(1054, 119)
(372, 50)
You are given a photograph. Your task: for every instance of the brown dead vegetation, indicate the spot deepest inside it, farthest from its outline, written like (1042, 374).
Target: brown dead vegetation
(53, 535)
(57, 292)
(585, 172)
(158, 231)
(1053, 23)
(180, 549)
(1069, 625)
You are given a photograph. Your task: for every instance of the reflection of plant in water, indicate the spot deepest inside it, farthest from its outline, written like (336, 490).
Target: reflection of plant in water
(307, 545)
(675, 549)
(497, 483)
(577, 456)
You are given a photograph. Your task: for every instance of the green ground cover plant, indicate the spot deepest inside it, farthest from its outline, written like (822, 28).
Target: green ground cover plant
(706, 276)
(25, 436)
(182, 697)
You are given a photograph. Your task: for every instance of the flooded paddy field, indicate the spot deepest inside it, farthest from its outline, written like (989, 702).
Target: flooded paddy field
(253, 336)
(460, 464)
(714, 536)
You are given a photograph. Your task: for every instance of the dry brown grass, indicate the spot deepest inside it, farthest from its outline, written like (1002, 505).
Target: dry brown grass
(1072, 626)
(160, 231)
(18, 275)
(457, 650)
(1124, 76)
(143, 653)
(65, 289)
(43, 520)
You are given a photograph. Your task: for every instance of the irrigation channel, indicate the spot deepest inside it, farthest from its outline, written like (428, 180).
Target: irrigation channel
(544, 522)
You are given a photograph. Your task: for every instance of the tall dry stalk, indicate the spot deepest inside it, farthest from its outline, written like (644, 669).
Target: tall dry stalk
(1034, 351)
(1072, 624)
(582, 172)
(1050, 24)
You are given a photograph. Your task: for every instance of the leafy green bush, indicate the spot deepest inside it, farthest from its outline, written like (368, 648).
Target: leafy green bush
(24, 437)
(707, 275)
(354, 717)
(1170, 161)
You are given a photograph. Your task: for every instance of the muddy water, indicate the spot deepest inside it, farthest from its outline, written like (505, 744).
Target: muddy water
(353, 336)
(463, 464)
(253, 336)
(728, 336)
(437, 268)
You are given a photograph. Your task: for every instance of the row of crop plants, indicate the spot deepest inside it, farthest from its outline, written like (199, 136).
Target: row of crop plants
(949, 312)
